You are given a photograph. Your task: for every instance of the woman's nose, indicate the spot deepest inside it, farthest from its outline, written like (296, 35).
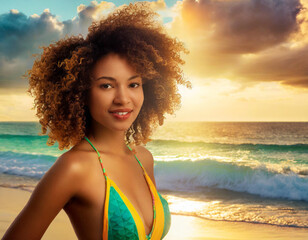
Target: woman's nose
(121, 96)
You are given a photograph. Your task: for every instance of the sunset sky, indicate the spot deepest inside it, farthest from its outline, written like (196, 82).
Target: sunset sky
(248, 59)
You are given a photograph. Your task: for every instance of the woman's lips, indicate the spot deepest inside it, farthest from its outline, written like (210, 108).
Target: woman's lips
(120, 115)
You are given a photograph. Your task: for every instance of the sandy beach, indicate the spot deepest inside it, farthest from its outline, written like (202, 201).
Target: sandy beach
(11, 203)
(183, 227)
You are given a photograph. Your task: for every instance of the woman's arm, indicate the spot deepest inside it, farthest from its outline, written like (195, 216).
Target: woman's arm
(55, 189)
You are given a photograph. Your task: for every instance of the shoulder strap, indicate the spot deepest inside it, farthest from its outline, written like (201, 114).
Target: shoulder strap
(135, 155)
(100, 160)
(99, 157)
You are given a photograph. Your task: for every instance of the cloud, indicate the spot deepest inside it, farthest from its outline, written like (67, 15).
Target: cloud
(244, 40)
(21, 37)
(240, 26)
(158, 5)
(11, 72)
(86, 15)
(281, 64)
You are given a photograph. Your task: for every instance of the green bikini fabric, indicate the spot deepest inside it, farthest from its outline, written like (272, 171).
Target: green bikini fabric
(121, 222)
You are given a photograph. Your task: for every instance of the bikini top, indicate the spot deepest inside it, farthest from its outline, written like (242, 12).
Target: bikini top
(121, 219)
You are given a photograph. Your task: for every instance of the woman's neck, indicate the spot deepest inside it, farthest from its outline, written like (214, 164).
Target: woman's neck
(108, 140)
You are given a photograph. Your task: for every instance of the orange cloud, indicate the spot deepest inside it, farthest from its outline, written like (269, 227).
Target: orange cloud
(158, 5)
(245, 40)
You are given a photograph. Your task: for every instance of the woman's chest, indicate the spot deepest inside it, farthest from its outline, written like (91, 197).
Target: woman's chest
(86, 210)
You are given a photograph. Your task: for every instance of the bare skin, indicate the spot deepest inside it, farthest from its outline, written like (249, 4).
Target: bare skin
(126, 173)
(76, 182)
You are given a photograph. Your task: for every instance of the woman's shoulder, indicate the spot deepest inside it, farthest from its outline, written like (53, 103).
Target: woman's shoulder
(75, 160)
(147, 160)
(144, 155)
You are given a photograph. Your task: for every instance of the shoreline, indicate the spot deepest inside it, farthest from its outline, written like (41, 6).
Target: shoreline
(196, 228)
(182, 227)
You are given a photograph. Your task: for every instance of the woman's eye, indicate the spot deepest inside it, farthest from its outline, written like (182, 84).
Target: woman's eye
(135, 85)
(105, 86)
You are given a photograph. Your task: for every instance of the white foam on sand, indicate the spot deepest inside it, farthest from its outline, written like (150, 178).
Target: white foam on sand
(182, 227)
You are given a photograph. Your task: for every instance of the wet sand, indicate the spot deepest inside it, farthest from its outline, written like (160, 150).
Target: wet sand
(182, 227)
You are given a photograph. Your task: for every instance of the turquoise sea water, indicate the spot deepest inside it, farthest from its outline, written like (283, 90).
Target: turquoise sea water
(230, 171)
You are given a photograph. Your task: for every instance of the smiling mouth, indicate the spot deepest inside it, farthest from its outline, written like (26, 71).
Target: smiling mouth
(121, 115)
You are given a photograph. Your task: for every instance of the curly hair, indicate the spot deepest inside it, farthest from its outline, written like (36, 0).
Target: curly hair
(60, 78)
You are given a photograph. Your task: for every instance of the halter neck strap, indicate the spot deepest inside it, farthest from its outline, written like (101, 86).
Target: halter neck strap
(101, 162)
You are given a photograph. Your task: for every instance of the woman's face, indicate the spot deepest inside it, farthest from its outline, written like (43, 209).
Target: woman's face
(116, 95)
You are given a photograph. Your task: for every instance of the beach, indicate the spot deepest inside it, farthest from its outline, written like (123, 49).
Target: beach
(228, 180)
(182, 227)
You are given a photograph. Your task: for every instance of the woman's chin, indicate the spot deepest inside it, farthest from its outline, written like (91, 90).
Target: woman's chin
(121, 128)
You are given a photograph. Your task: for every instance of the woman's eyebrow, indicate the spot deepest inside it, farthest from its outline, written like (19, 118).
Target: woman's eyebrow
(113, 79)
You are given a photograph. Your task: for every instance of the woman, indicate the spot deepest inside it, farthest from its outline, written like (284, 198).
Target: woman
(97, 95)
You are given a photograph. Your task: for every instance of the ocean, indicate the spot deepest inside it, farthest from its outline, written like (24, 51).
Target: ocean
(253, 172)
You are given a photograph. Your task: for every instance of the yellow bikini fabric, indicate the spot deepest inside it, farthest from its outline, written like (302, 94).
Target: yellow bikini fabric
(122, 221)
